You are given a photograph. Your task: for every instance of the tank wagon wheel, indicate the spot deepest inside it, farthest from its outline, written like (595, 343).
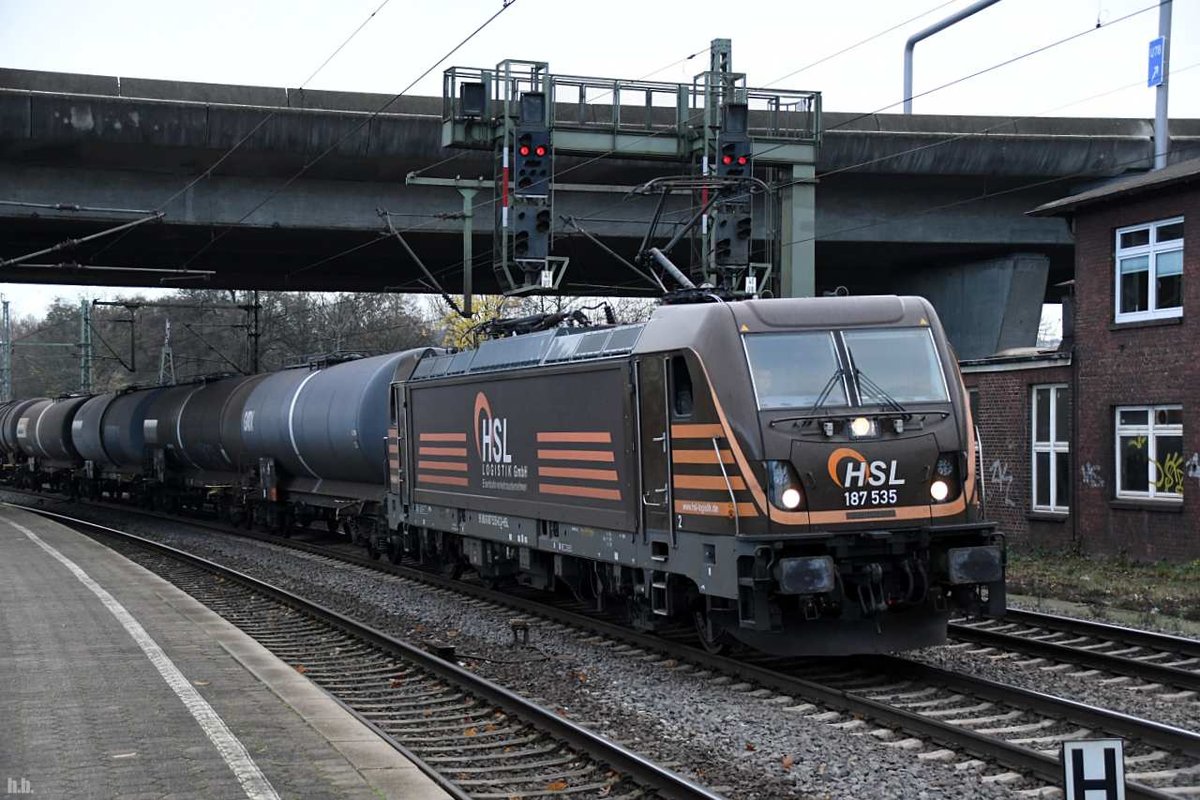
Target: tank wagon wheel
(352, 531)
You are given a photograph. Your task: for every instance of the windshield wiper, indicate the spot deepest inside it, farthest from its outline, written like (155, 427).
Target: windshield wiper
(875, 388)
(821, 398)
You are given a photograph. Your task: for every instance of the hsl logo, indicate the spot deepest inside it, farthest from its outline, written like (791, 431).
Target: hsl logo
(859, 472)
(491, 433)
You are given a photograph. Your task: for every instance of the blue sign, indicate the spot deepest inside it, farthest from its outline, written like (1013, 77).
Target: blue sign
(1155, 74)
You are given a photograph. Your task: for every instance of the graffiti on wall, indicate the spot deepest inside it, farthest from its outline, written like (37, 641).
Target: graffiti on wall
(1193, 466)
(1170, 474)
(1000, 474)
(1093, 477)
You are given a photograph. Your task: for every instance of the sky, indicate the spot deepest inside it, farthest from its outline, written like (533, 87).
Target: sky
(777, 43)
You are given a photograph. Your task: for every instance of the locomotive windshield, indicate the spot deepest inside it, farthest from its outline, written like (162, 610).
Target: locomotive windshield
(792, 369)
(900, 364)
(803, 369)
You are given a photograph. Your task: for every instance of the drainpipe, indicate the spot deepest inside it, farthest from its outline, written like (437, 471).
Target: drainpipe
(959, 16)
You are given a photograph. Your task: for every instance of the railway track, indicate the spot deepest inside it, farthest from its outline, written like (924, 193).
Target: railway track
(941, 716)
(478, 740)
(1157, 660)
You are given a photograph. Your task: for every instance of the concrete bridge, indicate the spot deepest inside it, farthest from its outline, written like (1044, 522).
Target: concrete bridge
(928, 204)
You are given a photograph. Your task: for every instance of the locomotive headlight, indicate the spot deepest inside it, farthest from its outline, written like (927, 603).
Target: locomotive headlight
(790, 498)
(946, 483)
(861, 426)
(786, 490)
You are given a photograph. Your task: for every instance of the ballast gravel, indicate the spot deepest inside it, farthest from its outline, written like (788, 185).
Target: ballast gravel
(1133, 696)
(743, 742)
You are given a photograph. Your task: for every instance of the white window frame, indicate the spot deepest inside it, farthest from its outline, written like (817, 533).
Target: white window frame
(1151, 430)
(1053, 446)
(1152, 251)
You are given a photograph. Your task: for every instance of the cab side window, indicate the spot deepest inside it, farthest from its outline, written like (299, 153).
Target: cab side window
(682, 399)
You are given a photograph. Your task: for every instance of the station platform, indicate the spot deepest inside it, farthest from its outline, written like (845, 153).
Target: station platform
(116, 684)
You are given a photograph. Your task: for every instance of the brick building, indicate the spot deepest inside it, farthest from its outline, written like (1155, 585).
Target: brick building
(1021, 403)
(1095, 444)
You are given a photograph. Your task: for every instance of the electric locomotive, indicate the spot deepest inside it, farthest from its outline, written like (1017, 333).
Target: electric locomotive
(797, 475)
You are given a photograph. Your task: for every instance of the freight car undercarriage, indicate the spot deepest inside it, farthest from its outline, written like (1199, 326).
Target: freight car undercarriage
(835, 594)
(239, 500)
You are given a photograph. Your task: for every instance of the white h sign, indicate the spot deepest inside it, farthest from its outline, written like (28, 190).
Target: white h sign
(1094, 769)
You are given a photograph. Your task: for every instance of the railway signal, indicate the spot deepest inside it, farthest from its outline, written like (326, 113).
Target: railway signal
(734, 146)
(733, 226)
(531, 176)
(531, 229)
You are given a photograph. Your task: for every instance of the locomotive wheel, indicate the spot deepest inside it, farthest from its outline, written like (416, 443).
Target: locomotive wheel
(712, 641)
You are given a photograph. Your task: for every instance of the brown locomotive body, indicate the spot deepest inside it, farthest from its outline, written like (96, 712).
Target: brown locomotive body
(798, 475)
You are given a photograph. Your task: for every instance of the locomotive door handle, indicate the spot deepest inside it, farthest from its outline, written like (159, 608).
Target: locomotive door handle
(662, 439)
(645, 495)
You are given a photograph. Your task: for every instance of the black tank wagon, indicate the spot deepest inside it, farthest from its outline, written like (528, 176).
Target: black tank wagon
(797, 475)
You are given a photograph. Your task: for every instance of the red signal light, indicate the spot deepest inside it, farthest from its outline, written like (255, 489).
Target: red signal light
(741, 161)
(727, 160)
(524, 150)
(539, 151)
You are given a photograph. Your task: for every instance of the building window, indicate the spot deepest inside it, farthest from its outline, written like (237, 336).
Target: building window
(1051, 449)
(1150, 271)
(1150, 452)
(973, 401)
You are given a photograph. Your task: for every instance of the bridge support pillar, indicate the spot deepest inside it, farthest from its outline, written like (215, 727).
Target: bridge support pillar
(798, 249)
(985, 306)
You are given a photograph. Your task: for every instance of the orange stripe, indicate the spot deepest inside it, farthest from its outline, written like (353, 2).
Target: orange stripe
(393, 432)
(697, 431)
(580, 491)
(595, 437)
(444, 437)
(704, 508)
(449, 480)
(576, 455)
(700, 456)
(579, 474)
(460, 452)
(756, 489)
(709, 482)
(453, 466)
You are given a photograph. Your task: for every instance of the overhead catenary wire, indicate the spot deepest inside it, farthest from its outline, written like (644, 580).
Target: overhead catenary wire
(984, 131)
(983, 196)
(507, 4)
(860, 43)
(998, 65)
(461, 154)
(211, 168)
(492, 201)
